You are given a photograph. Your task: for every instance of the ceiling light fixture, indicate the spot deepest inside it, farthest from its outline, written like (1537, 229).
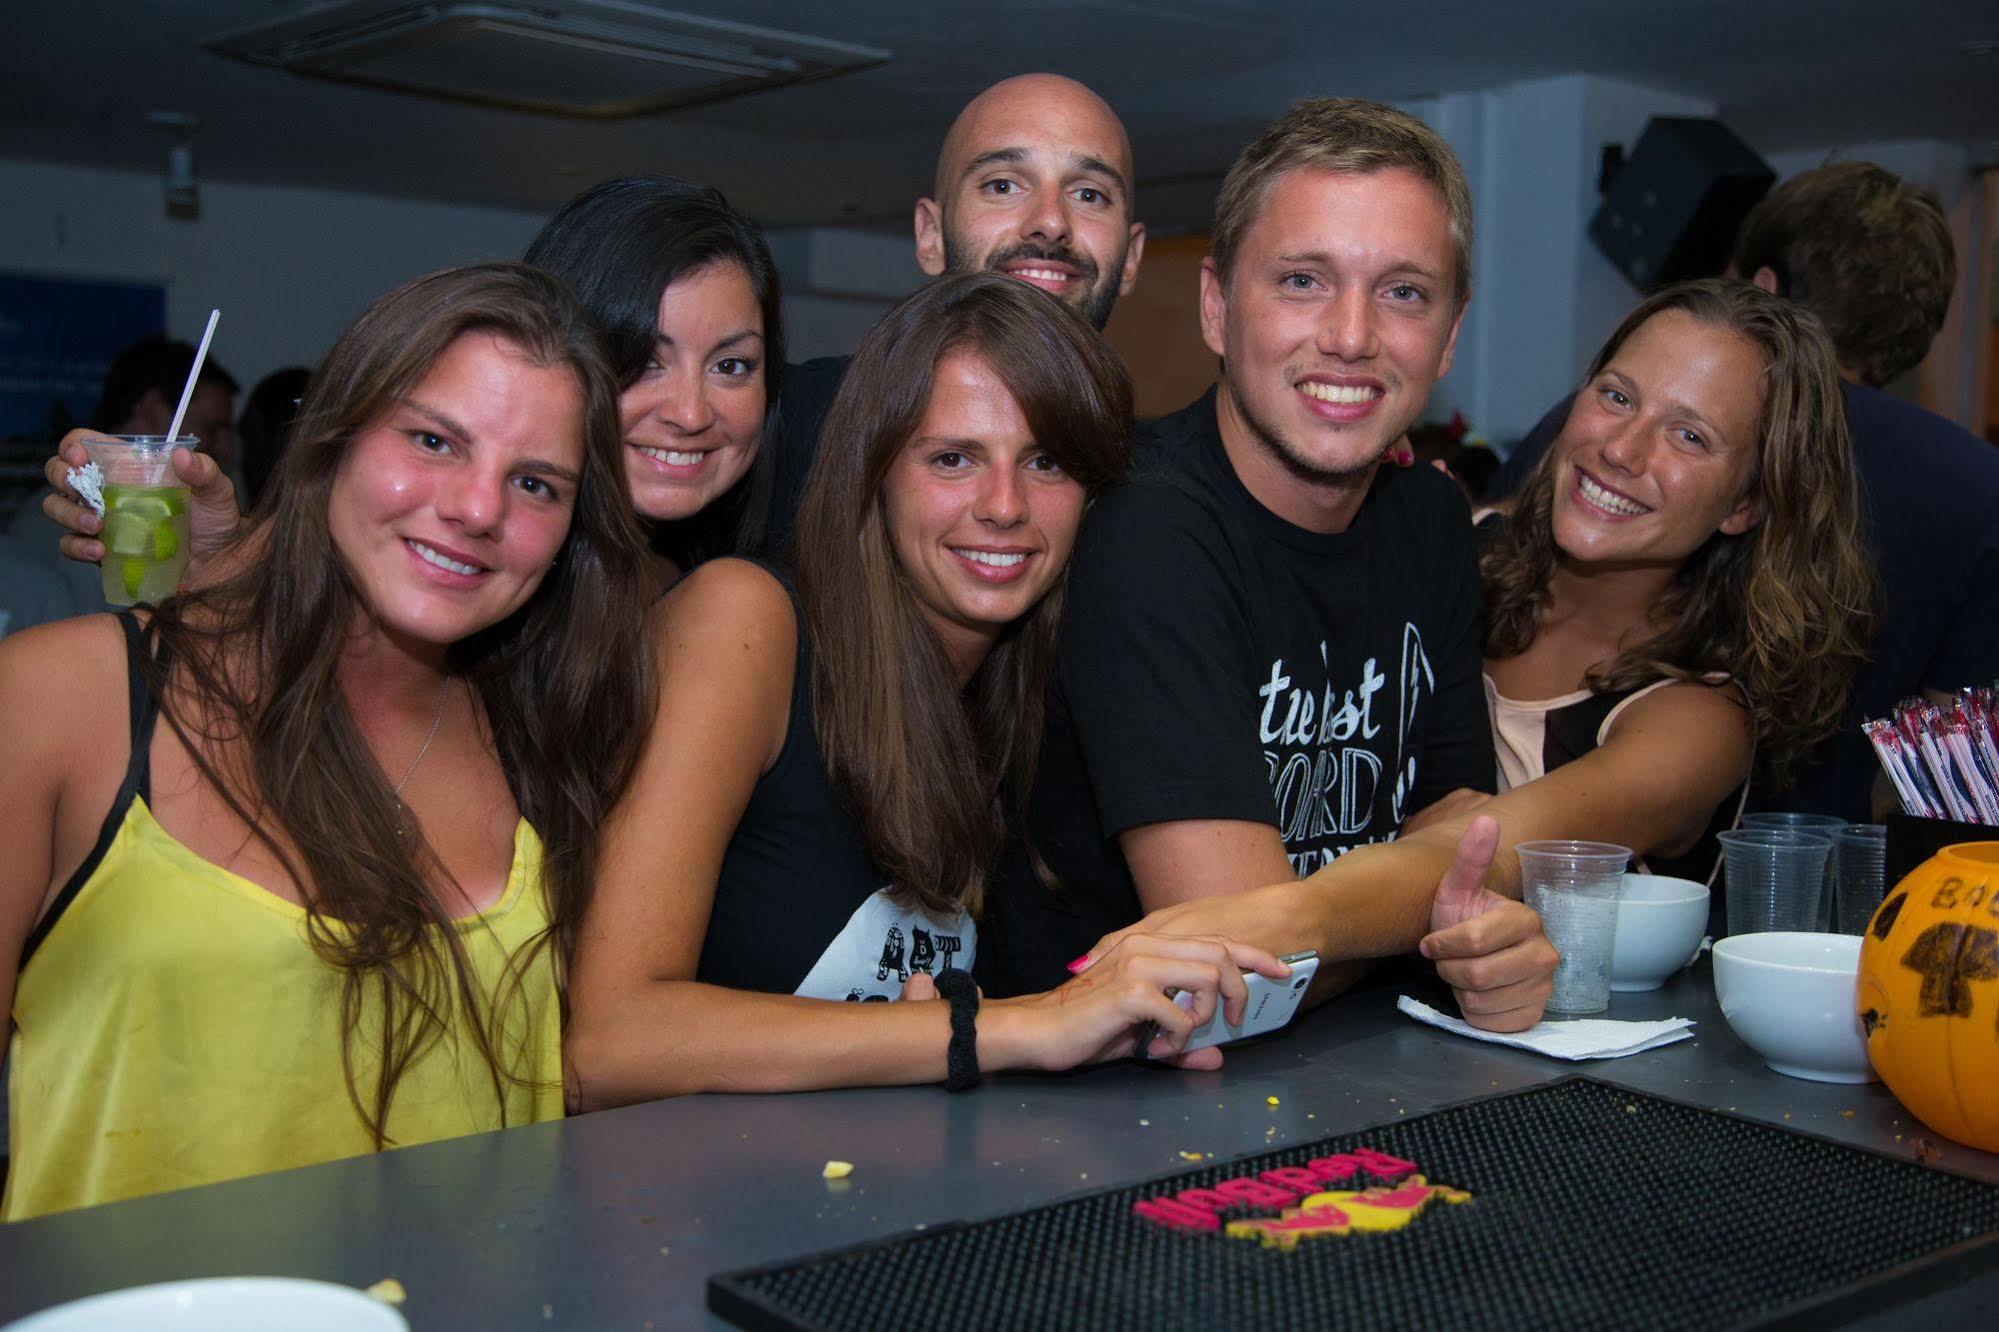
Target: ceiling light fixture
(594, 58)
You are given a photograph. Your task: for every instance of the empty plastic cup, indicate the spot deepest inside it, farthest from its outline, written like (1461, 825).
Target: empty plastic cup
(1574, 887)
(1776, 879)
(1826, 824)
(1860, 861)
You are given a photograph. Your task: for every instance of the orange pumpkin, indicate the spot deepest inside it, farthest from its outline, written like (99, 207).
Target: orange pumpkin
(1928, 992)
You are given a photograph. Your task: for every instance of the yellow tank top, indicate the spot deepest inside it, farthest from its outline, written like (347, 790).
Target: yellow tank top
(174, 1027)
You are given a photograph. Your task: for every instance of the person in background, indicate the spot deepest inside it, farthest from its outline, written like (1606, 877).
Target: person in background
(819, 806)
(298, 857)
(1034, 180)
(1871, 255)
(1468, 462)
(141, 388)
(265, 426)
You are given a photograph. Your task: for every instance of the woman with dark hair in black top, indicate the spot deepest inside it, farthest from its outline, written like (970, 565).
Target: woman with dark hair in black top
(819, 805)
(686, 294)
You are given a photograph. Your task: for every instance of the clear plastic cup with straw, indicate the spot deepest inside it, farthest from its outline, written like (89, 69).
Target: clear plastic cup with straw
(142, 502)
(1776, 879)
(1574, 887)
(145, 516)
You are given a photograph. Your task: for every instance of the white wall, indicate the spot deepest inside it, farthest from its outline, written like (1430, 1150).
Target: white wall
(289, 268)
(838, 282)
(1543, 298)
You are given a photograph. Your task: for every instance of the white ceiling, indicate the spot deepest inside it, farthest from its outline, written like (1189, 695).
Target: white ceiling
(1193, 79)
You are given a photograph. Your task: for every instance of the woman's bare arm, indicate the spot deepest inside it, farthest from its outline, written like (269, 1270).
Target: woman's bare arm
(62, 690)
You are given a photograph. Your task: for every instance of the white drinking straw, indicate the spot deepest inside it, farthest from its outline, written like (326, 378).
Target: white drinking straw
(194, 371)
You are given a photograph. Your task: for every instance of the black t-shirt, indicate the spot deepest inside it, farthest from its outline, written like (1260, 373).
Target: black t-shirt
(808, 394)
(1218, 662)
(800, 907)
(1930, 491)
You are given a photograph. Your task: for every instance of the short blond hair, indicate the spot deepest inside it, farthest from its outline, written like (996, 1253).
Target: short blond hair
(1353, 137)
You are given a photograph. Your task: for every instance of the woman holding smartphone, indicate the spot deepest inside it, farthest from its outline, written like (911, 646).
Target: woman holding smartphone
(820, 800)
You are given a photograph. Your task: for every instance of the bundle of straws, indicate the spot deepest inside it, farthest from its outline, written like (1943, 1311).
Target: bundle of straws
(1943, 759)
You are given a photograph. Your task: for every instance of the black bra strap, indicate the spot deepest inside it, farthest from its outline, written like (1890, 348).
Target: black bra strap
(142, 713)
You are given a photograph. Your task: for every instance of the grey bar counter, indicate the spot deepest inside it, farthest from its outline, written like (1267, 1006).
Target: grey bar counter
(617, 1219)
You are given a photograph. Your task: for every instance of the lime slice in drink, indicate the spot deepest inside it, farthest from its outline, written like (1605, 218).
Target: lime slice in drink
(129, 532)
(135, 574)
(165, 543)
(132, 520)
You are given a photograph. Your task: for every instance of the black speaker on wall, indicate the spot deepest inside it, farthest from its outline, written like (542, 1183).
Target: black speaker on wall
(1673, 209)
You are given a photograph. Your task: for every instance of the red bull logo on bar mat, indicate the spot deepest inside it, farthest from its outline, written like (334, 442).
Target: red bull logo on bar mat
(1329, 1195)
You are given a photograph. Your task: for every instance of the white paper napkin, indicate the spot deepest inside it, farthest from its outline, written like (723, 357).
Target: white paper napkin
(1585, 1038)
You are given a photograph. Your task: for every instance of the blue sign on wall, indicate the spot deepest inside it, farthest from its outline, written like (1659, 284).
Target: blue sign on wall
(57, 337)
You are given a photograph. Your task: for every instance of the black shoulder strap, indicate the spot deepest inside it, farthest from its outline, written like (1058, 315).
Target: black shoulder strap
(142, 713)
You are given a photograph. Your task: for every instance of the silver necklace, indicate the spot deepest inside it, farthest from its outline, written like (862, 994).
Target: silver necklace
(435, 722)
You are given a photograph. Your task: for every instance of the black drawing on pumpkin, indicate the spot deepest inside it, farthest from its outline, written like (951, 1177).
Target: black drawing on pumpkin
(1949, 956)
(1884, 919)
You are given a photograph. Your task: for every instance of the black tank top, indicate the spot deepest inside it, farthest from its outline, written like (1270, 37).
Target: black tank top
(799, 899)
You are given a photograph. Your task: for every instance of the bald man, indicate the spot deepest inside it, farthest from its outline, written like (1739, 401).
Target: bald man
(1034, 180)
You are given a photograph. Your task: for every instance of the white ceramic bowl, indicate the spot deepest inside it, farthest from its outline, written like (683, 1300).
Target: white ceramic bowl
(1789, 996)
(221, 1304)
(1660, 922)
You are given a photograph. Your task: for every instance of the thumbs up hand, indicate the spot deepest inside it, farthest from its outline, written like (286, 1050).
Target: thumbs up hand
(1489, 949)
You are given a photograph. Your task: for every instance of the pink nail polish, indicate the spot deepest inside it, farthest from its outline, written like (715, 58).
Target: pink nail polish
(1077, 965)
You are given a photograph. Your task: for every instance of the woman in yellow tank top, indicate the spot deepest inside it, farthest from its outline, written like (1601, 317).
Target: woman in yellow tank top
(307, 893)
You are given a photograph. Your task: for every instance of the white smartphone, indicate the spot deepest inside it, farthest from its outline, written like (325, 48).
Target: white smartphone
(1272, 1003)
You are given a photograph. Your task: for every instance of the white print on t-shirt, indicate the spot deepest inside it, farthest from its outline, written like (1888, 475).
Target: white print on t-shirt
(882, 945)
(1325, 774)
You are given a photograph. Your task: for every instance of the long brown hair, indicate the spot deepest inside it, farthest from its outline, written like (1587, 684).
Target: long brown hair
(921, 763)
(564, 685)
(1785, 608)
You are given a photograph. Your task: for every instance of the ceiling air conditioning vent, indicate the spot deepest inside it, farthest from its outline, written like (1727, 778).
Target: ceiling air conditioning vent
(599, 58)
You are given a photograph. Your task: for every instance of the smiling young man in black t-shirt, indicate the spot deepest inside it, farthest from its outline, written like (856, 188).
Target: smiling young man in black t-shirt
(1271, 646)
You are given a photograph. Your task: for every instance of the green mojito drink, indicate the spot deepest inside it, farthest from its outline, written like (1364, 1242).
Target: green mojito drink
(145, 514)
(145, 543)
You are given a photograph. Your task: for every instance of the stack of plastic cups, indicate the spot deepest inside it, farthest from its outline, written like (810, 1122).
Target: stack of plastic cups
(1826, 825)
(1776, 879)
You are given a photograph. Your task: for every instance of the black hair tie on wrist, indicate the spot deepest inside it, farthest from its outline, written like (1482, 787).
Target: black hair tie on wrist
(961, 1060)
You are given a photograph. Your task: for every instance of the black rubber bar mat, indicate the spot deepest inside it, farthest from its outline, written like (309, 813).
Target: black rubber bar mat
(1589, 1206)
